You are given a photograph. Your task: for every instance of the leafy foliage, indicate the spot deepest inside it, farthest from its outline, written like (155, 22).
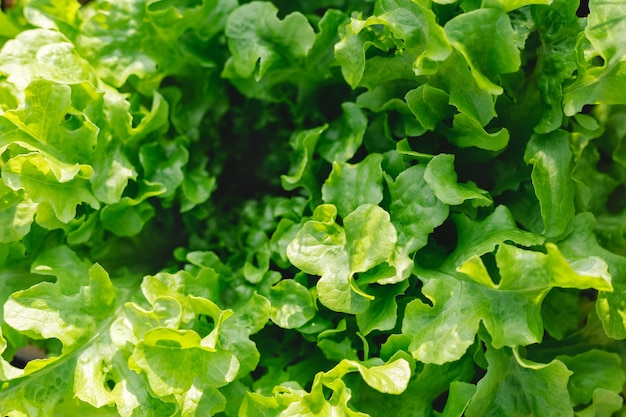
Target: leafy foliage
(312, 208)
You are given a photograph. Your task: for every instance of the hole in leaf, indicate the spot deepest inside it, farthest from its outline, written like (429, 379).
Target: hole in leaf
(204, 325)
(597, 61)
(28, 353)
(489, 260)
(583, 8)
(258, 372)
(72, 122)
(440, 244)
(440, 402)
(328, 393)
(605, 163)
(110, 384)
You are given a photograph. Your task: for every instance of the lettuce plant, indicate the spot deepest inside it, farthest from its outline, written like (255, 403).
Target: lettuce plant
(313, 208)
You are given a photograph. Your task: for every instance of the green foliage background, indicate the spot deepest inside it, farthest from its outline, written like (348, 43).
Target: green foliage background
(313, 208)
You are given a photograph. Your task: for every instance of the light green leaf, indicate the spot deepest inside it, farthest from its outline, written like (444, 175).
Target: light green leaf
(61, 186)
(7, 371)
(166, 312)
(606, 27)
(508, 5)
(370, 237)
(388, 378)
(61, 16)
(53, 310)
(43, 54)
(17, 213)
(292, 304)
(336, 253)
(175, 360)
(290, 400)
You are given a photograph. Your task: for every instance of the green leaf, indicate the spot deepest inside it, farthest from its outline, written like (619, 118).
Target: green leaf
(581, 242)
(467, 132)
(606, 26)
(123, 39)
(350, 185)
(7, 371)
(388, 378)
(509, 5)
(442, 179)
(382, 313)
(513, 383)
(510, 309)
(370, 237)
(593, 370)
(336, 253)
(292, 304)
(596, 85)
(175, 360)
(481, 237)
(551, 157)
(16, 214)
(47, 123)
(559, 27)
(302, 173)
(53, 310)
(44, 54)
(61, 186)
(466, 93)
(605, 404)
(409, 27)
(163, 164)
(128, 216)
(485, 38)
(429, 105)
(258, 40)
(343, 137)
(289, 400)
(415, 210)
